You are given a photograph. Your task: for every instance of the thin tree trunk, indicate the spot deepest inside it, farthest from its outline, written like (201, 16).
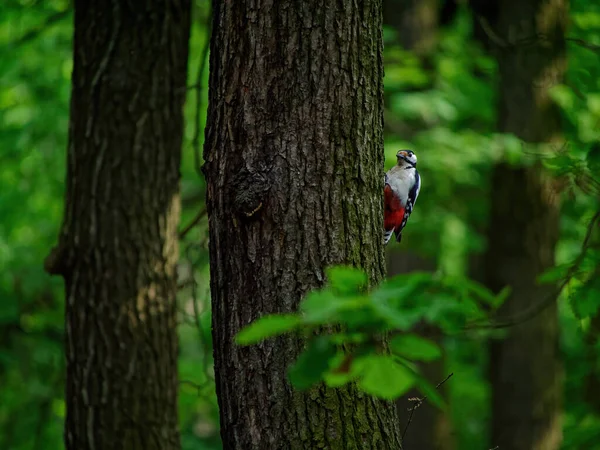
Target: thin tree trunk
(525, 367)
(294, 166)
(118, 246)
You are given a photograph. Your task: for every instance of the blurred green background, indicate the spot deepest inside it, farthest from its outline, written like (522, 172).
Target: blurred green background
(440, 101)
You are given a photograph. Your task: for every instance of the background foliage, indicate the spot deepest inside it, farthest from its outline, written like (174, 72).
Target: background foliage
(445, 111)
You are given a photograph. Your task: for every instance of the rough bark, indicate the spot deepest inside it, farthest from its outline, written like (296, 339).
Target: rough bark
(294, 167)
(118, 246)
(525, 366)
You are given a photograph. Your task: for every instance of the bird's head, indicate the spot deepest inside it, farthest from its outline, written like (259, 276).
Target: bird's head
(406, 158)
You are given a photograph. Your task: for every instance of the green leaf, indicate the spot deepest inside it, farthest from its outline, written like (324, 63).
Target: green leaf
(323, 306)
(560, 162)
(268, 326)
(346, 279)
(446, 312)
(482, 292)
(502, 296)
(319, 306)
(400, 288)
(395, 301)
(554, 274)
(395, 318)
(363, 318)
(585, 301)
(415, 347)
(383, 377)
(591, 260)
(312, 364)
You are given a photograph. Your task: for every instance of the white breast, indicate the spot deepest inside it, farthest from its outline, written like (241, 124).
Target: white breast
(401, 180)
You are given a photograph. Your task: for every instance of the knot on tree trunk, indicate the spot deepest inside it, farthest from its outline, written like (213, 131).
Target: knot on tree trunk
(249, 191)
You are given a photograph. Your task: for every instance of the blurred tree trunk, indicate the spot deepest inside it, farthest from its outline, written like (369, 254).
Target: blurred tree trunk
(118, 246)
(485, 13)
(416, 23)
(294, 167)
(525, 367)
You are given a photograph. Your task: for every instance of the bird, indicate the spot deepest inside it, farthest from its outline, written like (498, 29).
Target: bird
(402, 186)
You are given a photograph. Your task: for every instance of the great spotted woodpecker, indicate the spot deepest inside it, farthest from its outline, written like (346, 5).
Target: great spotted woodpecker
(402, 186)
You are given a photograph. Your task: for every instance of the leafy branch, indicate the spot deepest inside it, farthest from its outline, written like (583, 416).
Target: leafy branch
(35, 32)
(202, 66)
(531, 40)
(565, 272)
(354, 334)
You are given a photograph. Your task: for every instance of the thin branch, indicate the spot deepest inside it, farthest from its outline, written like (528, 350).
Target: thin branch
(200, 328)
(418, 402)
(198, 317)
(35, 32)
(198, 87)
(185, 283)
(539, 307)
(491, 34)
(585, 44)
(195, 221)
(193, 384)
(529, 40)
(500, 42)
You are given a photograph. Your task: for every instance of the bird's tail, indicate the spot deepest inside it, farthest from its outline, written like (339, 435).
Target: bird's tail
(399, 235)
(387, 235)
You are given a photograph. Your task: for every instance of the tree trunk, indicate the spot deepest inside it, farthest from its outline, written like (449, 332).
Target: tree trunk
(484, 14)
(525, 367)
(416, 22)
(118, 245)
(294, 166)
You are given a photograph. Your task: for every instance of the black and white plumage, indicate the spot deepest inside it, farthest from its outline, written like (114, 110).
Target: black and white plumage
(402, 187)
